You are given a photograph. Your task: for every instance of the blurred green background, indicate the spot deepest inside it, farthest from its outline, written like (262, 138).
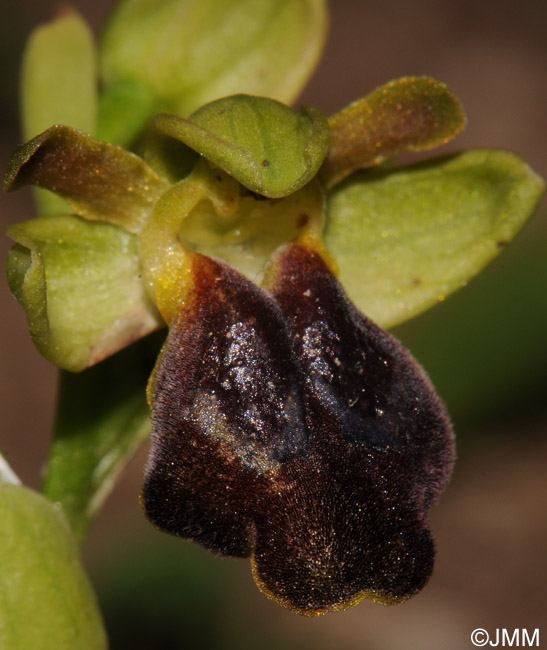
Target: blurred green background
(484, 348)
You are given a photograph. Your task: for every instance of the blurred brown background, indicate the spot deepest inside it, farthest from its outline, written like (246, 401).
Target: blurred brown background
(485, 349)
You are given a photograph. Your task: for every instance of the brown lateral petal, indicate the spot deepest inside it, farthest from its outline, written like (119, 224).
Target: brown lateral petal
(296, 430)
(408, 114)
(100, 180)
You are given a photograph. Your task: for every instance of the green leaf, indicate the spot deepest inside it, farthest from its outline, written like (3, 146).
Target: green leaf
(59, 84)
(408, 114)
(102, 419)
(79, 284)
(46, 600)
(99, 180)
(189, 53)
(406, 239)
(266, 146)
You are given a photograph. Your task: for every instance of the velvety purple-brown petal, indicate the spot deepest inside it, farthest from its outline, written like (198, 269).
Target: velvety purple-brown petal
(289, 427)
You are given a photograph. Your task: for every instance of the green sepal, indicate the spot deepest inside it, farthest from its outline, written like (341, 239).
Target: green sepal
(58, 85)
(46, 599)
(265, 145)
(99, 180)
(190, 53)
(102, 419)
(408, 114)
(79, 284)
(405, 239)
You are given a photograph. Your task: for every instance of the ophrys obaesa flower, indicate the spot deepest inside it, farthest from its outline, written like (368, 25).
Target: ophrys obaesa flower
(274, 244)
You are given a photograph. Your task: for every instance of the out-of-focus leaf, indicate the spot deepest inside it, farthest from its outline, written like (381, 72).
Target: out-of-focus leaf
(102, 420)
(265, 145)
(189, 53)
(406, 239)
(47, 601)
(59, 84)
(124, 111)
(99, 180)
(409, 114)
(80, 287)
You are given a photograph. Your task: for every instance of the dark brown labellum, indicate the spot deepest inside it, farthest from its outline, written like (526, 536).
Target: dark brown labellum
(288, 427)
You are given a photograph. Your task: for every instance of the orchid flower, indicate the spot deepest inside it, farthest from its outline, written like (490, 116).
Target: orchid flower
(275, 245)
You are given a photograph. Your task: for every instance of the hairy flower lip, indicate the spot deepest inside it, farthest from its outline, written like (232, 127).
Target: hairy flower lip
(331, 511)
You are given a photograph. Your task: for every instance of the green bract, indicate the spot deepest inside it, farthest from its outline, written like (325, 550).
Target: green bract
(47, 601)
